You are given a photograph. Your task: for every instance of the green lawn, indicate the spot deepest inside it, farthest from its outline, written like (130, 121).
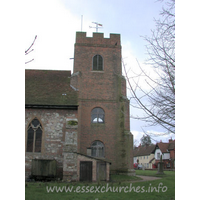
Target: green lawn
(120, 178)
(121, 189)
(153, 173)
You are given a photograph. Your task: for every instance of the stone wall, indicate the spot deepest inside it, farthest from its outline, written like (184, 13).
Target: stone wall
(59, 137)
(70, 150)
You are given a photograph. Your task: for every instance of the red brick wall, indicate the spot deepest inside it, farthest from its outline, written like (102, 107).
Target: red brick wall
(172, 154)
(106, 132)
(105, 89)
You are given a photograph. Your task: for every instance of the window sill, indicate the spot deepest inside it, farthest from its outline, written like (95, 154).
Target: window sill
(97, 71)
(98, 125)
(95, 124)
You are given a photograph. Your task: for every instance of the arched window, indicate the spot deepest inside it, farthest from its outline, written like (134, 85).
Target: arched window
(34, 136)
(97, 149)
(97, 115)
(97, 63)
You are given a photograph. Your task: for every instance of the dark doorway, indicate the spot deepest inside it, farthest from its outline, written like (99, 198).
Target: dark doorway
(101, 171)
(85, 171)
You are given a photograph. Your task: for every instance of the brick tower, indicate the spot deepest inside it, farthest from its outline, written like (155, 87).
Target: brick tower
(103, 113)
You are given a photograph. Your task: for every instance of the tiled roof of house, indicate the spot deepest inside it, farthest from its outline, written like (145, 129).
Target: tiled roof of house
(165, 147)
(49, 87)
(144, 150)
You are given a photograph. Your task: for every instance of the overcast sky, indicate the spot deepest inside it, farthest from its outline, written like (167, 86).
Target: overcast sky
(55, 23)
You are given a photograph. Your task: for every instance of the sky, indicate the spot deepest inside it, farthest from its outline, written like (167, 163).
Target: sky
(55, 22)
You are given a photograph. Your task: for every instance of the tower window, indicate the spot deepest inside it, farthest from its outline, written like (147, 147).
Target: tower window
(97, 115)
(97, 149)
(97, 62)
(34, 136)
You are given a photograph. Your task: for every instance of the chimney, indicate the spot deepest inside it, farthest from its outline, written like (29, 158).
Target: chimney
(170, 140)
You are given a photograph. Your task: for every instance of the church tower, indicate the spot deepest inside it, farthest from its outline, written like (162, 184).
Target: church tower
(103, 112)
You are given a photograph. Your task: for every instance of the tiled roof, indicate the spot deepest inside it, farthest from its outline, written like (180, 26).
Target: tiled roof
(95, 158)
(144, 150)
(49, 87)
(165, 147)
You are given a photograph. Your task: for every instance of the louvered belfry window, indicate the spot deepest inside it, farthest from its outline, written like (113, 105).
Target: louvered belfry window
(97, 63)
(34, 136)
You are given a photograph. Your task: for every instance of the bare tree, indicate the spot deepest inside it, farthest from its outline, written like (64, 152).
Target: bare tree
(29, 51)
(158, 103)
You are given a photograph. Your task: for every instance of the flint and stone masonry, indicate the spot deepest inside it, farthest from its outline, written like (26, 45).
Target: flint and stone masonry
(58, 138)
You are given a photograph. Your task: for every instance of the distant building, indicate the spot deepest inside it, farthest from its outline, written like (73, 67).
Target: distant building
(167, 150)
(144, 155)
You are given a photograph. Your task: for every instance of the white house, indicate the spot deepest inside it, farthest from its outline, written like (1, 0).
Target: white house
(167, 150)
(144, 155)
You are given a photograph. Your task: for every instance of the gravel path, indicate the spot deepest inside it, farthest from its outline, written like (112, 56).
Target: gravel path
(148, 178)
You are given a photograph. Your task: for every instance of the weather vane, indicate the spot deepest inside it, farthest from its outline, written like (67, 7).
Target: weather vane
(97, 26)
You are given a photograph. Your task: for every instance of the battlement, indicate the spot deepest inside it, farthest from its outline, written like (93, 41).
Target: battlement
(98, 39)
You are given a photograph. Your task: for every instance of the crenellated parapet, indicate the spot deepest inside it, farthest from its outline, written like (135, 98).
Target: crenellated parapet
(98, 40)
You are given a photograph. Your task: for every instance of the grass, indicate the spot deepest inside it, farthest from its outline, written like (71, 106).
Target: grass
(126, 190)
(153, 173)
(119, 178)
